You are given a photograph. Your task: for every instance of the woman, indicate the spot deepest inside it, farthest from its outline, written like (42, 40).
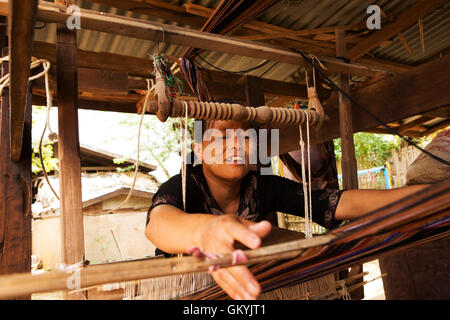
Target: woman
(228, 202)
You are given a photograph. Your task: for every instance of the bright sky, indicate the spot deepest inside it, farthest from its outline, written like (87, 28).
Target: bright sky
(103, 130)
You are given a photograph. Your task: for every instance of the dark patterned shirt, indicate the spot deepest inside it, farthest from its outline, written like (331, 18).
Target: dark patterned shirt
(260, 195)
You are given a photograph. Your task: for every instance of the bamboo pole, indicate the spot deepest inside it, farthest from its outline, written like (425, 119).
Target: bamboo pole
(21, 284)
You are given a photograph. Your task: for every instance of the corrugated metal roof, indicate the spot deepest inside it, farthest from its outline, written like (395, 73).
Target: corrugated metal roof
(292, 14)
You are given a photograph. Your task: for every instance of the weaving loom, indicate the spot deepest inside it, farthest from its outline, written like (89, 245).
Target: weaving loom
(291, 267)
(414, 220)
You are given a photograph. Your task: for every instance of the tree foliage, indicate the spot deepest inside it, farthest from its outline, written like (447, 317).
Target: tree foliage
(50, 162)
(371, 149)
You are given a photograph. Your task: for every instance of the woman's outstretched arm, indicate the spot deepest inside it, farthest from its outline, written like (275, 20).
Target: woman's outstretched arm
(175, 231)
(355, 203)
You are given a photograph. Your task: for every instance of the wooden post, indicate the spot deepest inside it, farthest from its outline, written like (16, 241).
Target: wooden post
(15, 191)
(349, 166)
(22, 16)
(72, 232)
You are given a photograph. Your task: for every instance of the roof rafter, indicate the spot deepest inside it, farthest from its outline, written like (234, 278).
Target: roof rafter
(198, 15)
(421, 9)
(143, 29)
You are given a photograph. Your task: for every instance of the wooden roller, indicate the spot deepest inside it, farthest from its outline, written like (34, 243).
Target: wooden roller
(225, 111)
(165, 106)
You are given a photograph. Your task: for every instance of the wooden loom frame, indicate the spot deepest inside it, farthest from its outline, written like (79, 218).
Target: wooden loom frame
(22, 24)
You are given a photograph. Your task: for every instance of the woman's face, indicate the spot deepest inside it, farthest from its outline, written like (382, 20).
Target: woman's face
(226, 149)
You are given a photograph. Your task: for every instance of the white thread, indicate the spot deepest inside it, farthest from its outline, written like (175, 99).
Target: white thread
(309, 178)
(183, 155)
(305, 192)
(136, 163)
(4, 82)
(305, 180)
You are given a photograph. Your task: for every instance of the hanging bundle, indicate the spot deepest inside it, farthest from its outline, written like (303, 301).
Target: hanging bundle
(228, 16)
(194, 79)
(167, 87)
(174, 85)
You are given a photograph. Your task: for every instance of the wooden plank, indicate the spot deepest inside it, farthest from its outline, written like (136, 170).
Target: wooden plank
(94, 80)
(99, 60)
(422, 38)
(21, 32)
(15, 192)
(143, 29)
(442, 125)
(303, 32)
(159, 9)
(405, 42)
(254, 92)
(407, 18)
(103, 80)
(143, 67)
(414, 123)
(72, 233)
(280, 102)
(349, 165)
(443, 112)
(413, 92)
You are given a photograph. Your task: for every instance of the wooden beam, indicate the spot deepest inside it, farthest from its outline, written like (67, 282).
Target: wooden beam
(143, 67)
(413, 92)
(15, 191)
(407, 18)
(443, 112)
(72, 232)
(303, 32)
(97, 81)
(414, 123)
(349, 165)
(21, 32)
(143, 29)
(304, 44)
(280, 102)
(404, 42)
(442, 125)
(99, 60)
(422, 38)
(408, 133)
(161, 9)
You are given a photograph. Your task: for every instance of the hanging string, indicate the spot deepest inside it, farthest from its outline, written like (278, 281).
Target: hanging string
(308, 234)
(184, 147)
(150, 89)
(361, 107)
(4, 82)
(309, 220)
(194, 79)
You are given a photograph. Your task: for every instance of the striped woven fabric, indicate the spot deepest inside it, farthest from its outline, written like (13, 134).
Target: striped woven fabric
(412, 221)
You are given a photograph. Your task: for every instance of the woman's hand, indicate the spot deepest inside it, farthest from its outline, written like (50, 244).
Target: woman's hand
(218, 236)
